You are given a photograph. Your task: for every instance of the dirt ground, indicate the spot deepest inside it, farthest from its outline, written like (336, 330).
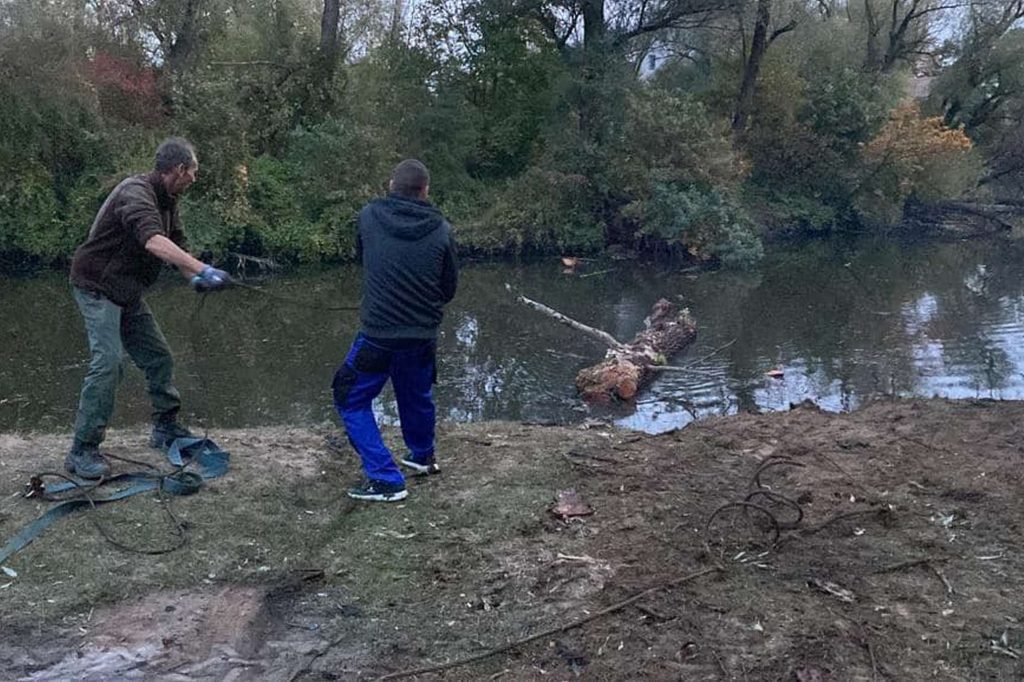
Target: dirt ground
(906, 563)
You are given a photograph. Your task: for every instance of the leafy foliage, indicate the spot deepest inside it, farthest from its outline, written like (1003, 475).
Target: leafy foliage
(913, 156)
(541, 122)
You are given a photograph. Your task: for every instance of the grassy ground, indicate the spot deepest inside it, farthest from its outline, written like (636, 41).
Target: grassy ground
(285, 578)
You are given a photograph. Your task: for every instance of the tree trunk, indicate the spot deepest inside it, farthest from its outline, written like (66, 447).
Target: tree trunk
(758, 46)
(628, 367)
(319, 97)
(181, 48)
(397, 19)
(329, 32)
(871, 52)
(594, 28)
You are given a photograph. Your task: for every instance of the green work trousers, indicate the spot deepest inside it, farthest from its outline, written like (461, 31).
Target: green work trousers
(114, 331)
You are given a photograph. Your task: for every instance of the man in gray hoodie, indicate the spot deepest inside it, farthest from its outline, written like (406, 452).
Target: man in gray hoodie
(409, 273)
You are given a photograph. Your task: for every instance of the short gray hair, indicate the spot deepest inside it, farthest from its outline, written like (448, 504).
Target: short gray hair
(174, 152)
(410, 178)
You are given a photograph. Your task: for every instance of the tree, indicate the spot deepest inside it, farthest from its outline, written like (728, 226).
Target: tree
(983, 90)
(907, 26)
(913, 156)
(752, 63)
(181, 28)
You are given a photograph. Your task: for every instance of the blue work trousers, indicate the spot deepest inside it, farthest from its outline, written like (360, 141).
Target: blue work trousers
(412, 367)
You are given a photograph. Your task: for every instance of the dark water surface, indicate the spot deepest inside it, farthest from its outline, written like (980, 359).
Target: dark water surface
(843, 323)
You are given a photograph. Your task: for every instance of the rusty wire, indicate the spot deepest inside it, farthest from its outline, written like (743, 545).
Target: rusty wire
(751, 507)
(782, 500)
(746, 507)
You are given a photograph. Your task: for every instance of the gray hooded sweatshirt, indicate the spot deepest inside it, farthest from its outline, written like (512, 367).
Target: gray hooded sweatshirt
(410, 269)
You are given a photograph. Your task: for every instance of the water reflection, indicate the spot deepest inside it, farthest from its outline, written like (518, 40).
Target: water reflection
(841, 323)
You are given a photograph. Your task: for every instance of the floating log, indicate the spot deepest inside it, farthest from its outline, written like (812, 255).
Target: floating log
(627, 367)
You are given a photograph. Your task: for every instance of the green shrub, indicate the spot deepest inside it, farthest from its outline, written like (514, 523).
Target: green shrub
(29, 220)
(709, 224)
(538, 211)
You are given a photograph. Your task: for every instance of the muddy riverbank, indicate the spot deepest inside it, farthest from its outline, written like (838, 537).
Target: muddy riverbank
(906, 563)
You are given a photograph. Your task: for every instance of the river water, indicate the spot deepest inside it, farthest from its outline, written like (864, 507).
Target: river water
(842, 322)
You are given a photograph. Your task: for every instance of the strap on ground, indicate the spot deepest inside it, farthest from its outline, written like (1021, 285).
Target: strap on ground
(202, 455)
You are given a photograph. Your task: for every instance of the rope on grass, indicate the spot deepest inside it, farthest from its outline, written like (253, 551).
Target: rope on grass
(180, 527)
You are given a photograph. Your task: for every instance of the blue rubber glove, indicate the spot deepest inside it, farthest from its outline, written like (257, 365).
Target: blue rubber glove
(210, 279)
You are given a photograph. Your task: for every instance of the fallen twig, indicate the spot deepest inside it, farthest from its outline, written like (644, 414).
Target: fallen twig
(600, 334)
(908, 564)
(711, 354)
(622, 446)
(846, 473)
(936, 571)
(874, 663)
(569, 557)
(587, 465)
(550, 631)
(599, 272)
(880, 511)
(831, 588)
(654, 614)
(680, 369)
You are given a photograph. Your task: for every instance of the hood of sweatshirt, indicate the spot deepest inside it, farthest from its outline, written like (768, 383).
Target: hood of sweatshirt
(406, 219)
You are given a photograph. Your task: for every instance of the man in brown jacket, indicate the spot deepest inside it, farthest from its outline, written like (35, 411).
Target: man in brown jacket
(136, 231)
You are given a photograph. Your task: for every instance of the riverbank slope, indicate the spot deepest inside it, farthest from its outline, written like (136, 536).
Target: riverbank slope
(907, 562)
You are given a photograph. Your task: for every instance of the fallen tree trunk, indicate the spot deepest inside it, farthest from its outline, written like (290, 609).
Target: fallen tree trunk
(627, 367)
(960, 219)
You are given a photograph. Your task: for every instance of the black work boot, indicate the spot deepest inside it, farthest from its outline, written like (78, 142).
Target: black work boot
(165, 432)
(85, 461)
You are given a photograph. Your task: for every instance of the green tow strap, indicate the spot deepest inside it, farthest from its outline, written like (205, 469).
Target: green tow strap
(201, 454)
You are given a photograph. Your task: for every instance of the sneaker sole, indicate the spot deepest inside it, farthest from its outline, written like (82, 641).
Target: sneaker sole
(420, 469)
(380, 497)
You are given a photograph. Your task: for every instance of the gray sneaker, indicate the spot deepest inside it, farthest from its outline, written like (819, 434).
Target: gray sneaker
(85, 461)
(164, 433)
(426, 468)
(378, 491)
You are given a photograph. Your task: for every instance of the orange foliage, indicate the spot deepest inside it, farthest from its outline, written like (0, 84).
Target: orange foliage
(908, 138)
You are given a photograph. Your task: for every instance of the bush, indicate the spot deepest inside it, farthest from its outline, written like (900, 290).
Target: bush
(29, 222)
(791, 213)
(538, 211)
(672, 138)
(916, 157)
(709, 224)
